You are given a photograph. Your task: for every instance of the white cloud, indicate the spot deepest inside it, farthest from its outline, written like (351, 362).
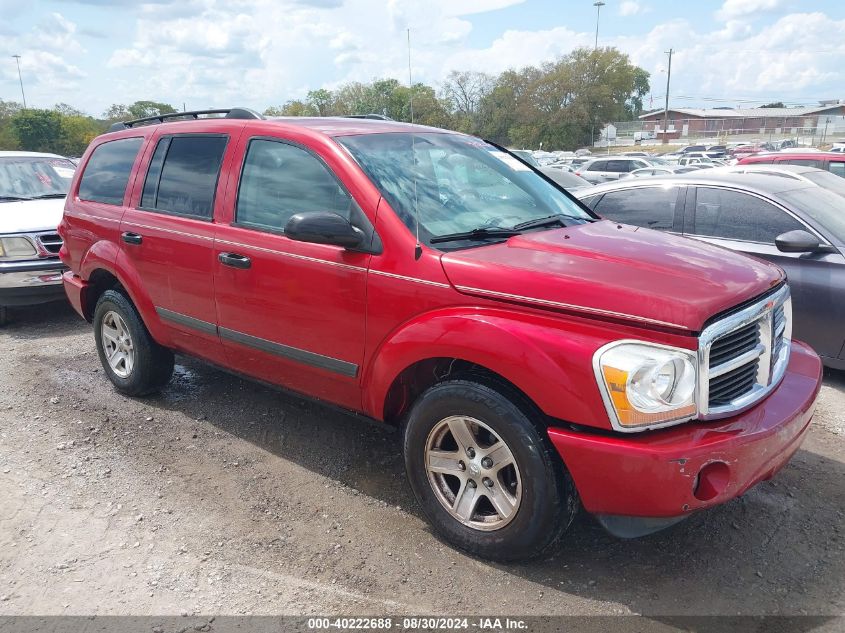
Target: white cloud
(264, 52)
(48, 51)
(733, 9)
(629, 7)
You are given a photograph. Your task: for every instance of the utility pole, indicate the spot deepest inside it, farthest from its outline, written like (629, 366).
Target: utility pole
(20, 79)
(666, 110)
(598, 5)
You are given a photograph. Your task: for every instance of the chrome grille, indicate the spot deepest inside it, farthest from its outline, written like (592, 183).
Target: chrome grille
(50, 242)
(743, 356)
(732, 384)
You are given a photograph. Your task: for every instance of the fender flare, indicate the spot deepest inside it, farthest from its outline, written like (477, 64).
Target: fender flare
(500, 342)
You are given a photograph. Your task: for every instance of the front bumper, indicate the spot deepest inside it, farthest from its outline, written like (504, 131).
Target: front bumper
(660, 477)
(30, 282)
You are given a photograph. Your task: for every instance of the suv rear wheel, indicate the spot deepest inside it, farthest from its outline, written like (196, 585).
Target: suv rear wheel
(132, 360)
(485, 476)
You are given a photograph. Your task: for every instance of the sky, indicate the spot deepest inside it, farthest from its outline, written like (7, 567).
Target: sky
(258, 53)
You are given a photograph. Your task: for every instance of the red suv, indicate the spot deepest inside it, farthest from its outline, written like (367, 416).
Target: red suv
(535, 357)
(833, 162)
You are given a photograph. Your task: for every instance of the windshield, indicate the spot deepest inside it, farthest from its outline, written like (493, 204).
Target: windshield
(822, 206)
(457, 184)
(29, 178)
(829, 181)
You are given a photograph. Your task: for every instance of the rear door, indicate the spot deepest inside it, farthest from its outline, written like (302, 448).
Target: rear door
(749, 224)
(168, 233)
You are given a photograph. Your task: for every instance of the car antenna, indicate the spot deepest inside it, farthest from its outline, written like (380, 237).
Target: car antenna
(418, 247)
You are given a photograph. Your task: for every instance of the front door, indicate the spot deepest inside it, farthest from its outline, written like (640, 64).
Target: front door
(290, 312)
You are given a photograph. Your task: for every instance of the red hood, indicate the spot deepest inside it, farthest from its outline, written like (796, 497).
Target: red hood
(613, 270)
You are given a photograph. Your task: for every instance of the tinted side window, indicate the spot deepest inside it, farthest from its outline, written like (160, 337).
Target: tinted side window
(107, 172)
(618, 166)
(599, 165)
(590, 201)
(805, 162)
(280, 180)
(836, 168)
(182, 177)
(738, 216)
(650, 207)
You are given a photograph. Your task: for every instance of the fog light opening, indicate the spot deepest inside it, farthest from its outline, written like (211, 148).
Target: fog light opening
(711, 481)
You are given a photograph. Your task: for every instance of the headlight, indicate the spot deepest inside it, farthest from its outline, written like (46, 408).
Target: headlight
(16, 248)
(646, 385)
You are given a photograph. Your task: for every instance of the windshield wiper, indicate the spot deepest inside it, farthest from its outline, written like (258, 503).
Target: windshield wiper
(549, 220)
(45, 196)
(476, 234)
(12, 198)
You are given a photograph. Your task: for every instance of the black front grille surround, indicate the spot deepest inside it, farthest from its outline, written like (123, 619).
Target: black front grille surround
(50, 242)
(743, 356)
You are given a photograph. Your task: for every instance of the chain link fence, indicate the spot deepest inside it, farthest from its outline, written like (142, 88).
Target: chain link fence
(820, 132)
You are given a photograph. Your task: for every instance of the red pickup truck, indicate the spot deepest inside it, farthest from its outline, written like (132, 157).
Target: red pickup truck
(536, 357)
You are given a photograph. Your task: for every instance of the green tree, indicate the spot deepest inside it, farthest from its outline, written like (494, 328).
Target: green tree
(37, 130)
(75, 132)
(137, 110)
(291, 108)
(8, 138)
(775, 104)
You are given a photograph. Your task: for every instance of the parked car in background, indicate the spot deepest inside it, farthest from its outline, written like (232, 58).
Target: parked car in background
(429, 280)
(525, 155)
(796, 225)
(565, 178)
(838, 150)
(812, 175)
(32, 193)
(605, 169)
(831, 161)
(659, 170)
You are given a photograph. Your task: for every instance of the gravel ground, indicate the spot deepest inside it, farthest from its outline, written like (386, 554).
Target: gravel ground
(220, 496)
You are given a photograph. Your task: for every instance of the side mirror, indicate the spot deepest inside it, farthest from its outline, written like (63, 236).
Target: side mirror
(324, 227)
(797, 241)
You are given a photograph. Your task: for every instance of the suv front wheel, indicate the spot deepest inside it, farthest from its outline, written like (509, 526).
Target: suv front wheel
(132, 360)
(485, 476)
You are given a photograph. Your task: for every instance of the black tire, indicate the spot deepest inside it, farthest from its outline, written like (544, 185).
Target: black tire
(4, 316)
(153, 364)
(549, 500)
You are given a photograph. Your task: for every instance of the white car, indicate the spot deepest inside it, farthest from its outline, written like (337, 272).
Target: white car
(33, 187)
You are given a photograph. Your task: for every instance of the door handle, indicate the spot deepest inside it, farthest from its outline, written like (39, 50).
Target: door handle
(235, 260)
(131, 238)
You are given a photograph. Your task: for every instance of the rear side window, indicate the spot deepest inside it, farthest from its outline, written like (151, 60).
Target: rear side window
(836, 168)
(280, 180)
(599, 165)
(107, 172)
(649, 207)
(805, 162)
(618, 166)
(738, 216)
(182, 177)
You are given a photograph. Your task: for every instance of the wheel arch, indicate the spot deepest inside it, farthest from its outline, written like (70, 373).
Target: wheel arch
(496, 347)
(106, 267)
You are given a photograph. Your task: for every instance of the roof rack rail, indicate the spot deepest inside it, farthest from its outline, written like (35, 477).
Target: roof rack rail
(230, 113)
(378, 117)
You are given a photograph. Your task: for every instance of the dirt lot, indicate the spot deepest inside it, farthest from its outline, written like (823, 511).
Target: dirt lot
(220, 496)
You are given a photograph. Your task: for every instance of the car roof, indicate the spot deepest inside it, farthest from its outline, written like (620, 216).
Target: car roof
(798, 154)
(764, 184)
(17, 154)
(773, 167)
